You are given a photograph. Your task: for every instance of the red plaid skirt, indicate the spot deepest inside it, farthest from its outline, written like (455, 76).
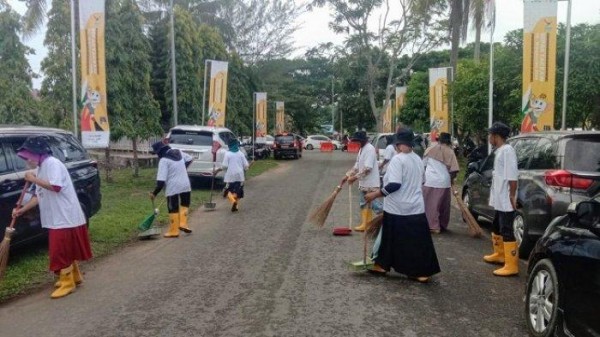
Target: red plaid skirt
(66, 245)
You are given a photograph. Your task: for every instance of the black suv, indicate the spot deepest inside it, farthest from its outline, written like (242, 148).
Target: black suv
(287, 145)
(547, 186)
(84, 173)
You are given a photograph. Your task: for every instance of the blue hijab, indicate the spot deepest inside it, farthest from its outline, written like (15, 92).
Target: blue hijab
(234, 145)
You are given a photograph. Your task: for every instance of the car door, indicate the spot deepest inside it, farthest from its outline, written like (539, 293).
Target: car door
(480, 185)
(9, 189)
(582, 305)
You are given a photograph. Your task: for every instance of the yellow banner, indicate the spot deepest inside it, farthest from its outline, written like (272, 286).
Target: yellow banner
(95, 131)
(438, 99)
(261, 114)
(217, 97)
(387, 116)
(400, 100)
(539, 65)
(280, 117)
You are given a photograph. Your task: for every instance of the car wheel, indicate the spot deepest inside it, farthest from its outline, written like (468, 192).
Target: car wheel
(542, 299)
(309, 147)
(334, 147)
(523, 240)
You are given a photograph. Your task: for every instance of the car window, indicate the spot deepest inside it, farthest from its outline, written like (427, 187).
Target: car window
(284, 139)
(226, 137)
(200, 138)
(3, 160)
(544, 157)
(382, 142)
(66, 148)
(583, 154)
(14, 144)
(525, 149)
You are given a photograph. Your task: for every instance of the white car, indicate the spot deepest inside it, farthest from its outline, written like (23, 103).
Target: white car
(379, 141)
(314, 142)
(197, 141)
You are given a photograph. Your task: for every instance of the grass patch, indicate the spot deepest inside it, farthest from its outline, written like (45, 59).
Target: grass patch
(125, 204)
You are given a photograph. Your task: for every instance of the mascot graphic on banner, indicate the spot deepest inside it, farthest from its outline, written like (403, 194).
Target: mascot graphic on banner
(90, 100)
(213, 116)
(533, 108)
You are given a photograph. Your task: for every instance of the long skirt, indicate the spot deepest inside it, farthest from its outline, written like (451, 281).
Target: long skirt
(437, 207)
(66, 245)
(406, 246)
(236, 187)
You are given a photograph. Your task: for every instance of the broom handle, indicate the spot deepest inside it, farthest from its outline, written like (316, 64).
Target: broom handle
(14, 220)
(350, 206)
(365, 241)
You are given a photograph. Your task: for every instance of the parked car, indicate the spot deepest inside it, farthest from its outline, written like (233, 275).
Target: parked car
(197, 141)
(83, 170)
(314, 142)
(287, 145)
(546, 185)
(563, 282)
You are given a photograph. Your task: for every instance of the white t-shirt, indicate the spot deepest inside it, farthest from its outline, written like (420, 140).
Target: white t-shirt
(436, 173)
(174, 174)
(505, 170)
(236, 164)
(58, 209)
(407, 170)
(367, 157)
(389, 152)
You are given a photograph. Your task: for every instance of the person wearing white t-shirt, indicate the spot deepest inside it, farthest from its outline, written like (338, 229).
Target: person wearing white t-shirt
(235, 164)
(60, 213)
(405, 242)
(441, 168)
(172, 175)
(388, 153)
(503, 194)
(366, 171)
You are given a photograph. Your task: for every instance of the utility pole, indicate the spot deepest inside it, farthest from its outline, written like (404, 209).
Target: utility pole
(73, 71)
(204, 90)
(173, 63)
(332, 107)
(491, 86)
(563, 123)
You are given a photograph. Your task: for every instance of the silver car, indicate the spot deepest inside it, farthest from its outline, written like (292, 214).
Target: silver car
(197, 141)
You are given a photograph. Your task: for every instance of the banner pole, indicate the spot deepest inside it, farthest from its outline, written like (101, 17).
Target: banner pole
(253, 125)
(491, 86)
(173, 64)
(566, 74)
(204, 90)
(73, 70)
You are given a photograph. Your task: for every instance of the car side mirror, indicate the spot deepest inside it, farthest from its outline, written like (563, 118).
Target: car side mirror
(588, 215)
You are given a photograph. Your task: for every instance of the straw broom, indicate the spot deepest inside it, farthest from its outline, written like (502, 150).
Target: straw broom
(374, 225)
(473, 227)
(5, 244)
(319, 215)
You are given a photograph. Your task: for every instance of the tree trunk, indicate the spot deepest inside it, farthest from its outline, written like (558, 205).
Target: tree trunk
(456, 18)
(135, 163)
(108, 164)
(477, 53)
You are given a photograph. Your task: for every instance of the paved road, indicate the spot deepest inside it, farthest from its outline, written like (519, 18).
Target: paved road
(265, 272)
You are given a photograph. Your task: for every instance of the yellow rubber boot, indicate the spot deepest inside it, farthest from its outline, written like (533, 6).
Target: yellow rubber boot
(366, 216)
(76, 275)
(173, 231)
(67, 283)
(497, 257)
(511, 260)
(233, 200)
(183, 219)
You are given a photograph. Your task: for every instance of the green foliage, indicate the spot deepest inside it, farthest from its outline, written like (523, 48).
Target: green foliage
(416, 110)
(56, 66)
(133, 111)
(470, 95)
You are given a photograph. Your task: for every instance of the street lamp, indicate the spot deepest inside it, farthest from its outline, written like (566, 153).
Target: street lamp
(566, 74)
(173, 71)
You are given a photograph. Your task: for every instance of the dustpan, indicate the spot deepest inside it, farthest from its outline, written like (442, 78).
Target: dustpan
(210, 205)
(366, 263)
(345, 231)
(146, 227)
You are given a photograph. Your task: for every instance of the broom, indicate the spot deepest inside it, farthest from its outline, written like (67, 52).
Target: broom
(5, 244)
(374, 225)
(319, 215)
(473, 226)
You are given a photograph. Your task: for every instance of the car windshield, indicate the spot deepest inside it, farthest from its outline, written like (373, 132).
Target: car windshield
(201, 138)
(583, 154)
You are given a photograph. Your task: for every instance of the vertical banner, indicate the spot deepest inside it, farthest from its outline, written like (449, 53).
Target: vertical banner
(387, 116)
(438, 99)
(279, 117)
(539, 65)
(217, 97)
(261, 114)
(400, 99)
(95, 131)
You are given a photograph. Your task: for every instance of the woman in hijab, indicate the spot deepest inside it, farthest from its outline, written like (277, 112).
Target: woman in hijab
(441, 167)
(406, 244)
(236, 164)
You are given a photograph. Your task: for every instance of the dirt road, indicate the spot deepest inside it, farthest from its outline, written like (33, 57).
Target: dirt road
(265, 272)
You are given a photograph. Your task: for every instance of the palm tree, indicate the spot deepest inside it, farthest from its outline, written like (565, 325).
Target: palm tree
(483, 13)
(35, 15)
(459, 22)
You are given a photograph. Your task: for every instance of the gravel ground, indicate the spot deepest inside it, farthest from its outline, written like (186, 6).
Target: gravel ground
(264, 271)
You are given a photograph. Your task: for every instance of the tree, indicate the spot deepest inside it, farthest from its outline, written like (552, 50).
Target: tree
(458, 24)
(16, 102)
(416, 110)
(416, 29)
(470, 100)
(56, 66)
(133, 111)
(483, 15)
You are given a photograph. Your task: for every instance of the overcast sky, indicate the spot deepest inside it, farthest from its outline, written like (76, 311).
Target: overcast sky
(314, 25)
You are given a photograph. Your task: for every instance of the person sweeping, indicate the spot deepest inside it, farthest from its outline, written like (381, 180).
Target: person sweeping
(441, 167)
(503, 198)
(60, 213)
(366, 171)
(406, 244)
(235, 164)
(172, 175)
(388, 153)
